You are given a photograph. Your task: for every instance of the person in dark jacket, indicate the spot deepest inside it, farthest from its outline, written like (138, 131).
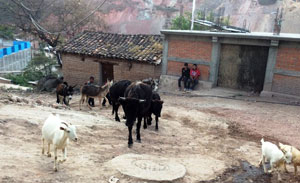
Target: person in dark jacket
(185, 76)
(91, 101)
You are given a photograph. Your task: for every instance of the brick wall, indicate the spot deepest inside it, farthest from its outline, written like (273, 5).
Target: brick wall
(189, 49)
(174, 69)
(288, 59)
(197, 50)
(138, 71)
(76, 71)
(286, 84)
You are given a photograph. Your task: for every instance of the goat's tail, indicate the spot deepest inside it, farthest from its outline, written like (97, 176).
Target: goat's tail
(262, 140)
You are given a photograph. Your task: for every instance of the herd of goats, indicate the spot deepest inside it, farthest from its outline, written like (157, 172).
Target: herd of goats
(139, 101)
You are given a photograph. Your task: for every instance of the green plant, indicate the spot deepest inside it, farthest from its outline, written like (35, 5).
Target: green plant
(18, 79)
(6, 32)
(184, 22)
(40, 66)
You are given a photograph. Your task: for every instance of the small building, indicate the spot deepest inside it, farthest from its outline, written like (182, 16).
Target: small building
(259, 62)
(111, 56)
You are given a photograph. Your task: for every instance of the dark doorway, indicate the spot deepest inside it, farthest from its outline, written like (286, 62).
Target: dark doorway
(243, 67)
(107, 72)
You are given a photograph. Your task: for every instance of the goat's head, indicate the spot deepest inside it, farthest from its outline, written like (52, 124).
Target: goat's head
(70, 130)
(287, 152)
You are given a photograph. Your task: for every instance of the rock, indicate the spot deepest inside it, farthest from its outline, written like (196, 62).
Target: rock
(18, 99)
(25, 101)
(38, 101)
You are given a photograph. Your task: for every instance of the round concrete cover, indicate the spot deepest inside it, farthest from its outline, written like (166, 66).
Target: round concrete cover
(148, 167)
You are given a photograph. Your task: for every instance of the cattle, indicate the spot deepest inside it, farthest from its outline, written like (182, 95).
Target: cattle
(93, 91)
(116, 91)
(152, 82)
(136, 103)
(64, 93)
(156, 107)
(57, 132)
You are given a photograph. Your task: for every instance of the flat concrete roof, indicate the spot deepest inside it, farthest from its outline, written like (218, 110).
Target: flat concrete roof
(252, 35)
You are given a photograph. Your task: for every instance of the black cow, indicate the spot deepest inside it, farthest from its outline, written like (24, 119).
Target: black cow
(156, 107)
(136, 103)
(116, 91)
(62, 91)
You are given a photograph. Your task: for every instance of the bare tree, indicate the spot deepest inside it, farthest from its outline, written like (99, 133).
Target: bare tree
(52, 21)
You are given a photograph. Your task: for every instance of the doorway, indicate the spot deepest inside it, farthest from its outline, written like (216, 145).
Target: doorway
(243, 67)
(107, 72)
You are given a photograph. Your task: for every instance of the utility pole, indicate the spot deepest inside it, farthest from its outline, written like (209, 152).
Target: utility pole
(193, 14)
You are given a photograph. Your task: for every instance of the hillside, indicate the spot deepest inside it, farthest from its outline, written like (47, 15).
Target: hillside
(150, 16)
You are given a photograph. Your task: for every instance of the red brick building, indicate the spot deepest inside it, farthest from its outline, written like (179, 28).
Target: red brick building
(111, 56)
(260, 62)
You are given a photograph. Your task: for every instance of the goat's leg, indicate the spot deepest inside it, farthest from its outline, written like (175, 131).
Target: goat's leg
(284, 166)
(295, 169)
(64, 151)
(272, 167)
(48, 152)
(43, 148)
(263, 164)
(55, 159)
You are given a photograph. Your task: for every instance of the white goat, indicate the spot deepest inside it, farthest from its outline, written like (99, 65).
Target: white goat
(57, 132)
(271, 153)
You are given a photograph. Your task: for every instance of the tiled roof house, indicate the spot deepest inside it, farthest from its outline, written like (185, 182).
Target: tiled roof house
(112, 56)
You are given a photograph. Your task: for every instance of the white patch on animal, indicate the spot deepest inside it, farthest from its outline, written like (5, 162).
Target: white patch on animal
(271, 153)
(57, 132)
(138, 82)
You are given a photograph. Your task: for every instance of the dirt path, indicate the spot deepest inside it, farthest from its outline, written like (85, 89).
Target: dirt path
(212, 138)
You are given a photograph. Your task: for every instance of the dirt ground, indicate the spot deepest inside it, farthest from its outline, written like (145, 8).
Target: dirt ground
(216, 139)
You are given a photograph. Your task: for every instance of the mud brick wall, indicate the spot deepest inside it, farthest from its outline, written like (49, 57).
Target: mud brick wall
(77, 71)
(288, 60)
(136, 71)
(190, 50)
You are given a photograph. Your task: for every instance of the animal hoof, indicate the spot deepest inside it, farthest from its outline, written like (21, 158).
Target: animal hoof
(55, 169)
(156, 129)
(145, 127)
(49, 155)
(139, 141)
(130, 145)
(43, 152)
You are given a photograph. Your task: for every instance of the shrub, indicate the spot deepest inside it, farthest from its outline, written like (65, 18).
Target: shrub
(39, 67)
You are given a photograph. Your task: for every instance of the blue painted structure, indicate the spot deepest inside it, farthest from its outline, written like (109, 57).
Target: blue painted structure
(17, 46)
